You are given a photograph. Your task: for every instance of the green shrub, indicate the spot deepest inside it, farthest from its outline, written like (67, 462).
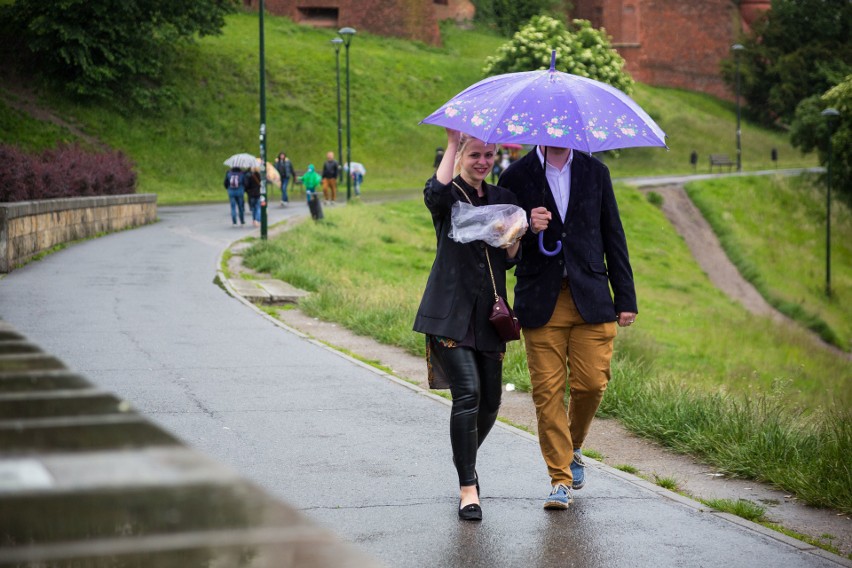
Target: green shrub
(580, 50)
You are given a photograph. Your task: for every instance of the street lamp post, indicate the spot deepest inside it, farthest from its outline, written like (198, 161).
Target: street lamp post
(830, 115)
(347, 34)
(337, 42)
(737, 47)
(262, 131)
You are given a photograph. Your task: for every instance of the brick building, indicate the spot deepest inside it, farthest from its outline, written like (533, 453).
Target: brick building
(673, 43)
(411, 19)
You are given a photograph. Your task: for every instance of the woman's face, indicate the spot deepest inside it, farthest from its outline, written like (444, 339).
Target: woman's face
(476, 161)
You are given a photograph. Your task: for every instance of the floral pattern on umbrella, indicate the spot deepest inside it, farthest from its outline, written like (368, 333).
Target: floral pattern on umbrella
(549, 107)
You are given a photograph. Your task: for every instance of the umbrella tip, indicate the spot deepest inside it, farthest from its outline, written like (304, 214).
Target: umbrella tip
(553, 60)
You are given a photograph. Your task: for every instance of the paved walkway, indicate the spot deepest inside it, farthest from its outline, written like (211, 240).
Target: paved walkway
(140, 313)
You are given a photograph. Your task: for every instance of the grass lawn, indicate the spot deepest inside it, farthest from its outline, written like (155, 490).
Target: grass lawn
(774, 230)
(395, 83)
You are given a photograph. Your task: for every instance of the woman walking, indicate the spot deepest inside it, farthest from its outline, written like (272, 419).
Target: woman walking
(462, 346)
(252, 183)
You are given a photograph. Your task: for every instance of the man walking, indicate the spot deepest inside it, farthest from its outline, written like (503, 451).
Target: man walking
(563, 299)
(285, 170)
(330, 171)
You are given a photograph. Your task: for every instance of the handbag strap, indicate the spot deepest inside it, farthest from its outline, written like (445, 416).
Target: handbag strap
(487, 256)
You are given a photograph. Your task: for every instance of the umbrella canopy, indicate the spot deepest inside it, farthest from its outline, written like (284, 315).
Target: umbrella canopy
(550, 108)
(242, 161)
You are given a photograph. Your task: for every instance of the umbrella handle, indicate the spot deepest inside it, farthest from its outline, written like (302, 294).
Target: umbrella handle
(546, 252)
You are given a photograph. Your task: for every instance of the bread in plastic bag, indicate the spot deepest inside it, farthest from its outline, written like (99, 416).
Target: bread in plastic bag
(498, 225)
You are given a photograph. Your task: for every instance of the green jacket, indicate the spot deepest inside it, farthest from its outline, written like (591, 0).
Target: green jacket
(311, 179)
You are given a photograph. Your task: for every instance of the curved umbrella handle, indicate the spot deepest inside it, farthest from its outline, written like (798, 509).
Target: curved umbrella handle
(546, 252)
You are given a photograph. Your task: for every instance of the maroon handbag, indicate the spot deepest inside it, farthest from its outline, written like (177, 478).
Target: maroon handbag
(503, 318)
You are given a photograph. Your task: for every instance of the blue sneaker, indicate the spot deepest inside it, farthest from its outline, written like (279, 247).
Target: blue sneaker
(559, 498)
(578, 470)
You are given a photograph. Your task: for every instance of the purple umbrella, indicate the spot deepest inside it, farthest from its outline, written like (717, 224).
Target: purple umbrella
(549, 108)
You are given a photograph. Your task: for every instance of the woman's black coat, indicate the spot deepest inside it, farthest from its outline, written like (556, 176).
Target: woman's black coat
(459, 286)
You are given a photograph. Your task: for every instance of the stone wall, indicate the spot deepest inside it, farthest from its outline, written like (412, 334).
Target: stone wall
(30, 227)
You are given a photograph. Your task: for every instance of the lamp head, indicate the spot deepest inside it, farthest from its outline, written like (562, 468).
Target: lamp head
(337, 42)
(347, 34)
(738, 47)
(831, 117)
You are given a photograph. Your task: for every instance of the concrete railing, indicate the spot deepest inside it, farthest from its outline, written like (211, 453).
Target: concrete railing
(30, 227)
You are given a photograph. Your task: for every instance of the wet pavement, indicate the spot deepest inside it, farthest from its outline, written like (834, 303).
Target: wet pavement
(142, 315)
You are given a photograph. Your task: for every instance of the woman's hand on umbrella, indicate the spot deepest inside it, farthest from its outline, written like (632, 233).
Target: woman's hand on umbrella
(453, 137)
(539, 219)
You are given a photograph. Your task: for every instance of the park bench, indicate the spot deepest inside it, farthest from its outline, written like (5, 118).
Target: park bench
(720, 160)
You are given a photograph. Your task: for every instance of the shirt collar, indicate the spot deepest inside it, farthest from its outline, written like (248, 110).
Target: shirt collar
(541, 159)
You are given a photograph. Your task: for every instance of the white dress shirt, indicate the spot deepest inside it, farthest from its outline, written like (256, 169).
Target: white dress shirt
(559, 181)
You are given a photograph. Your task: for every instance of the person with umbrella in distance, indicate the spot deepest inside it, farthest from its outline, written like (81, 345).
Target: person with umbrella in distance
(236, 188)
(463, 349)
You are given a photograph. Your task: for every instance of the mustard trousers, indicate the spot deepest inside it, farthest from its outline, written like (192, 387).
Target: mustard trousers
(587, 351)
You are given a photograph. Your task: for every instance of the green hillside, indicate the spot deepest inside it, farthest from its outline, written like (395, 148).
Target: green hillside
(394, 84)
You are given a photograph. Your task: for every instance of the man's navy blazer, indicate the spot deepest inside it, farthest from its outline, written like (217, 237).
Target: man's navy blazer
(594, 248)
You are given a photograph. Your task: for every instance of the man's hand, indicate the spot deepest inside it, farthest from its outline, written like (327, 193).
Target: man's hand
(539, 219)
(626, 318)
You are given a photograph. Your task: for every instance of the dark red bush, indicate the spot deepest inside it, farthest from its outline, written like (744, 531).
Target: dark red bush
(65, 171)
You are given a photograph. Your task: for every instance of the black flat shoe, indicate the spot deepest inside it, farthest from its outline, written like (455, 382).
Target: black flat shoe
(472, 512)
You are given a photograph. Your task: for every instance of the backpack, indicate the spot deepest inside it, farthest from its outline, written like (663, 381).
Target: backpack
(234, 180)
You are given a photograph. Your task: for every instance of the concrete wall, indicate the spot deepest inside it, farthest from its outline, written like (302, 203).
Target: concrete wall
(30, 227)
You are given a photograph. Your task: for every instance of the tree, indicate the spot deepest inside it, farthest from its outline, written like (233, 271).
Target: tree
(810, 131)
(798, 48)
(581, 50)
(507, 15)
(107, 49)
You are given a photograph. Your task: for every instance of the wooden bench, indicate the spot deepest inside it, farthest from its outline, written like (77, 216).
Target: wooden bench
(720, 160)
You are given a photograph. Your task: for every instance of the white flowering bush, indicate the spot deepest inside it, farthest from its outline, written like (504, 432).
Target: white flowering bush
(581, 50)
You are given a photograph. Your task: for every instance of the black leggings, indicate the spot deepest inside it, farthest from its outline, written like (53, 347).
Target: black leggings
(476, 383)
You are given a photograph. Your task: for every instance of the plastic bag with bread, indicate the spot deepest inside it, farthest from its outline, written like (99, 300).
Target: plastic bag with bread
(498, 225)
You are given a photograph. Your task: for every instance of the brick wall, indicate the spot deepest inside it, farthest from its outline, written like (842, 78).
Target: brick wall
(671, 43)
(410, 19)
(30, 227)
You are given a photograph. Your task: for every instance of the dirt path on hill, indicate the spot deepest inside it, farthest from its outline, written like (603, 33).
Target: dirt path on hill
(24, 99)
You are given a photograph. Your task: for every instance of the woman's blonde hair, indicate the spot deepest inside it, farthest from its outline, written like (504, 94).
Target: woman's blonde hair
(464, 141)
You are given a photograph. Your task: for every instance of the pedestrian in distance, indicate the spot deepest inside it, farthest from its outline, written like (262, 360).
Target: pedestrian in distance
(284, 167)
(330, 171)
(464, 351)
(312, 180)
(251, 181)
(357, 171)
(439, 155)
(236, 189)
(563, 301)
